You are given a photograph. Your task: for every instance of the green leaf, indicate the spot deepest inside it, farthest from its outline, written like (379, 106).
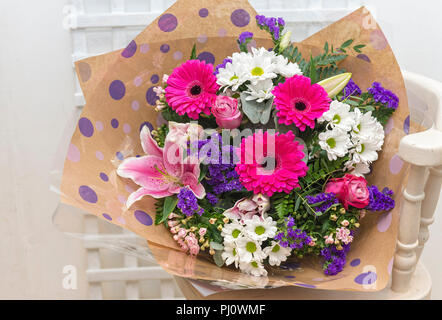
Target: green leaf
(169, 205)
(313, 75)
(193, 54)
(216, 246)
(203, 173)
(298, 203)
(256, 112)
(347, 43)
(218, 259)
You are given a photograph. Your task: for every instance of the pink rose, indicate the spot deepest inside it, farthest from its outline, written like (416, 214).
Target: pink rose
(226, 112)
(350, 190)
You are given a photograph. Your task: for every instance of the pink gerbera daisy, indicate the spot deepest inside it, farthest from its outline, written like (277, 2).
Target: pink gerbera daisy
(270, 163)
(191, 88)
(300, 102)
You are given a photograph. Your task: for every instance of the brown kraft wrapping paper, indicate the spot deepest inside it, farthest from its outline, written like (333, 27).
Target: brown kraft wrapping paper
(118, 88)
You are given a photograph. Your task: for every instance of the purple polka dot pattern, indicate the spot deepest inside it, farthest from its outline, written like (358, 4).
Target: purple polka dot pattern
(355, 262)
(240, 18)
(86, 127)
(164, 48)
(143, 218)
(207, 57)
(117, 90)
(154, 79)
(384, 221)
(73, 153)
(119, 156)
(396, 164)
(222, 32)
(138, 81)
(99, 155)
(104, 177)
(389, 126)
(366, 278)
(290, 277)
(87, 194)
(178, 55)
(377, 40)
(407, 125)
(126, 128)
(144, 48)
(202, 38)
(107, 217)
(148, 124)
(306, 285)
(130, 50)
(135, 105)
(115, 123)
(84, 69)
(99, 126)
(203, 13)
(390, 265)
(151, 96)
(363, 57)
(122, 199)
(167, 22)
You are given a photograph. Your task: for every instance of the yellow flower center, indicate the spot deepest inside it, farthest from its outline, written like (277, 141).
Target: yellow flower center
(257, 71)
(331, 142)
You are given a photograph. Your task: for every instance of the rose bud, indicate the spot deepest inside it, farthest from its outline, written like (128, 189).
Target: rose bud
(226, 112)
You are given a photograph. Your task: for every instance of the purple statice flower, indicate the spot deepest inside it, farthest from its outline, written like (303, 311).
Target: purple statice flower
(384, 96)
(335, 259)
(273, 25)
(351, 89)
(212, 198)
(328, 200)
(293, 237)
(222, 65)
(380, 201)
(243, 37)
(221, 174)
(188, 203)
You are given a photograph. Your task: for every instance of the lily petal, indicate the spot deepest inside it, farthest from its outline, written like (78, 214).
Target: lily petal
(173, 158)
(150, 146)
(142, 192)
(191, 181)
(144, 172)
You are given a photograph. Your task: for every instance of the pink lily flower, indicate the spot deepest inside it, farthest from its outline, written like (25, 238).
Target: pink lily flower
(161, 172)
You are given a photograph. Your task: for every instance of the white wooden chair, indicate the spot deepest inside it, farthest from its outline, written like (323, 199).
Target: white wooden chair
(100, 26)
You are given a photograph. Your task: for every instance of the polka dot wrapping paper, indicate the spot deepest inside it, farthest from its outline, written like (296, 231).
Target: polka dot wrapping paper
(118, 89)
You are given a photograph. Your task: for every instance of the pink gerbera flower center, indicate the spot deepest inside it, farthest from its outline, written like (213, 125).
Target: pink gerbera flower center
(270, 163)
(191, 88)
(300, 102)
(195, 89)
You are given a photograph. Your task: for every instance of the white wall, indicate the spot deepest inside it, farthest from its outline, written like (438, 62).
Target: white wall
(36, 87)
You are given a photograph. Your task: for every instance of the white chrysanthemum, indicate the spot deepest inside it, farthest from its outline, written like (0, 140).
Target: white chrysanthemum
(230, 254)
(249, 249)
(336, 142)
(367, 127)
(357, 169)
(365, 151)
(254, 268)
(259, 66)
(261, 91)
(232, 231)
(276, 253)
(260, 229)
(231, 76)
(285, 68)
(338, 116)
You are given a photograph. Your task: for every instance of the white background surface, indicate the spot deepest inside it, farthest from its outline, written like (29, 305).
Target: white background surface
(36, 104)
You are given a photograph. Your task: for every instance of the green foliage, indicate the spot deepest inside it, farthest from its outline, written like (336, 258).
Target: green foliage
(168, 205)
(160, 134)
(193, 53)
(324, 65)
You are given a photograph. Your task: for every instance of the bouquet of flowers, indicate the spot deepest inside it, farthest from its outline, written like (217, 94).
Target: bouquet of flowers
(294, 187)
(239, 155)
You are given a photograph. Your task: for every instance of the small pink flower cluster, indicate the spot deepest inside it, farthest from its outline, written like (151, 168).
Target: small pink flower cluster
(186, 238)
(343, 235)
